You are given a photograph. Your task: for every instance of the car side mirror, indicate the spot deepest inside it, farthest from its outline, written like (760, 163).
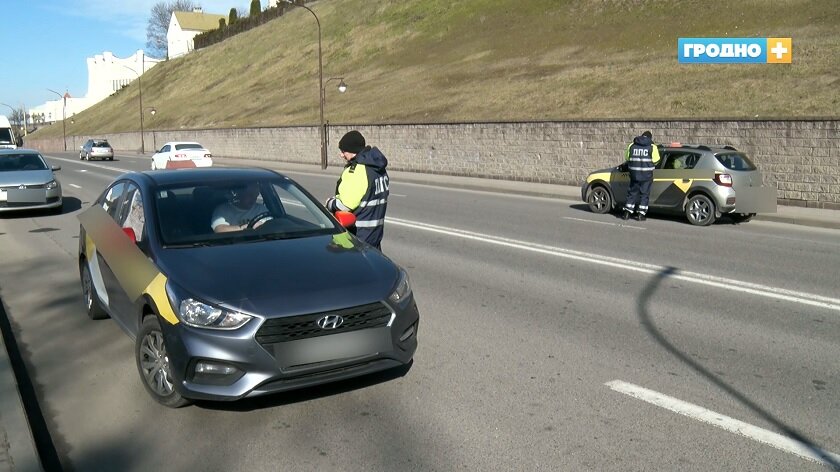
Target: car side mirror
(345, 218)
(130, 233)
(55, 168)
(622, 167)
(19, 142)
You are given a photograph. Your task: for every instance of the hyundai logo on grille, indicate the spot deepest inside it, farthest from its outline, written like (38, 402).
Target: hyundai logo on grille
(330, 322)
(22, 186)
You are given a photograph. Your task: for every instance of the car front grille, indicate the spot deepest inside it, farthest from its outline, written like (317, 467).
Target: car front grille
(293, 328)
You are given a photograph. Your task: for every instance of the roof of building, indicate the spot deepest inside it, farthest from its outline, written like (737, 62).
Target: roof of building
(197, 21)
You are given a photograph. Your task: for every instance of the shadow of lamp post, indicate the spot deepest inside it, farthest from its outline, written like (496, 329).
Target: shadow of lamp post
(63, 116)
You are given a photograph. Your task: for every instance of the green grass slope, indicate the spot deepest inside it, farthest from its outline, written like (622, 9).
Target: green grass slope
(409, 61)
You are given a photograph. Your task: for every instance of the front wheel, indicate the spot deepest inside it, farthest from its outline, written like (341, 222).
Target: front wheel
(599, 199)
(153, 365)
(700, 210)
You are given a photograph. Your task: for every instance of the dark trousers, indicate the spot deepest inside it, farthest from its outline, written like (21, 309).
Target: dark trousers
(372, 236)
(638, 193)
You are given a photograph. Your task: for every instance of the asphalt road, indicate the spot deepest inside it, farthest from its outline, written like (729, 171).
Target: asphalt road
(551, 339)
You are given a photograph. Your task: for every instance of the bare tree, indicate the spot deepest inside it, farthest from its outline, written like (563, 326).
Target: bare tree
(159, 24)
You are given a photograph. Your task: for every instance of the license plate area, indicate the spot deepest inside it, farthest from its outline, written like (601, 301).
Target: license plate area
(26, 195)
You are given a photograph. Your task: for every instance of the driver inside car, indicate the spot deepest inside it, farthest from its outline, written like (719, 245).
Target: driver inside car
(240, 209)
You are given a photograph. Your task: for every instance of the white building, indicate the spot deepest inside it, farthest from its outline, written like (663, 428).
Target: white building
(184, 26)
(106, 74)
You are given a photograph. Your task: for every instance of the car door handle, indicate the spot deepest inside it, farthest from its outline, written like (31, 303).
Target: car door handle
(685, 181)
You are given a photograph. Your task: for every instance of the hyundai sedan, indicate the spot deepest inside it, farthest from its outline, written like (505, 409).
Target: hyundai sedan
(288, 299)
(27, 182)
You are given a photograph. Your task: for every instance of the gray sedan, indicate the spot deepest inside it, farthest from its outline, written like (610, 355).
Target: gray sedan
(27, 182)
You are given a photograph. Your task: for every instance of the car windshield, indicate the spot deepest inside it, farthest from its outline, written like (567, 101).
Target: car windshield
(191, 215)
(22, 161)
(178, 147)
(735, 161)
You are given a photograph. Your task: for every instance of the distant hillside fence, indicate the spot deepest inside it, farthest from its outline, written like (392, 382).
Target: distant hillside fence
(801, 158)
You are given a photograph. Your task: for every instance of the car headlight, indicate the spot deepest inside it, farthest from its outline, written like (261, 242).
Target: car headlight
(51, 184)
(403, 290)
(201, 315)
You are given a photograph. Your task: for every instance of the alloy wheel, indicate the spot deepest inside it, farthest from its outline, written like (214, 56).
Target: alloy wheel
(154, 363)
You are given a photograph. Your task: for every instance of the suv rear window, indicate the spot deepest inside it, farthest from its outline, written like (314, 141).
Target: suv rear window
(735, 161)
(101, 144)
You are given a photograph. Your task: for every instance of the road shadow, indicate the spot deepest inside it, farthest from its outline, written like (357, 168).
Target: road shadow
(653, 331)
(69, 205)
(309, 393)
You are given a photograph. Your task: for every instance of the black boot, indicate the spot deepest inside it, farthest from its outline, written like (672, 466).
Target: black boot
(625, 215)
(641, 217)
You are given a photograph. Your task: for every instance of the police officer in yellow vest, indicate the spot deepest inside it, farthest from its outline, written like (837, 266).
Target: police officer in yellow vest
(642, 156)
(363, 187)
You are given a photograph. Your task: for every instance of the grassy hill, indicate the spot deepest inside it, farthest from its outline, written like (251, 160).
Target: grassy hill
(490, 60)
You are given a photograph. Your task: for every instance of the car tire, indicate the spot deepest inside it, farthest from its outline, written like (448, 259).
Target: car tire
(153, 364)
(741, 217)
(599, 200)
(94, 309)
(81, 156)
(87, 156)
(111, 158)
(700, 210)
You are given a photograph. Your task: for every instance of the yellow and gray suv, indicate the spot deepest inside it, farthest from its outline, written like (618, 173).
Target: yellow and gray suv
(702, 182)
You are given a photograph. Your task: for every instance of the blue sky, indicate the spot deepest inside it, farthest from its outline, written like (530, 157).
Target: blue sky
(48, 42)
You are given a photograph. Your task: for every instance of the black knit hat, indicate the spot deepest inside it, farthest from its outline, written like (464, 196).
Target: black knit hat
(648, 134)
(352, 142)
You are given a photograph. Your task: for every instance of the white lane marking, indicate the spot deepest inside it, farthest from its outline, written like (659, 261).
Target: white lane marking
(75, 186)
(724, 422)
(627, 264)
(85, 163)
(396, 195)
(603, 223)
(82, 170)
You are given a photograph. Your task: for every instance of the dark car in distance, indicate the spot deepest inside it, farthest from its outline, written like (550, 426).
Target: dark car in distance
(289, 301)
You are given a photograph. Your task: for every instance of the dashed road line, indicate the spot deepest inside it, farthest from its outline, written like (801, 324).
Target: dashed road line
(779, 441)
(75, 186)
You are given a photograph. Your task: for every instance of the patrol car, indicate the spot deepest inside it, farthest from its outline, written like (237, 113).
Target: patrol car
(290, 300)
(702, 182)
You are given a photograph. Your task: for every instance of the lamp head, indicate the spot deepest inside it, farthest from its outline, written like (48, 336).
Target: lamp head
(342, 87)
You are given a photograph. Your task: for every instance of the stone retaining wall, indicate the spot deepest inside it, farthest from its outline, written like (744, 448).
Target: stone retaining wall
(801, 158)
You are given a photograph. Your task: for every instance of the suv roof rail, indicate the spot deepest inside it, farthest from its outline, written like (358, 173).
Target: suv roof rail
(730, 147)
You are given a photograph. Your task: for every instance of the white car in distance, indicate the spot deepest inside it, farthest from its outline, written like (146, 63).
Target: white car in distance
(181, 154)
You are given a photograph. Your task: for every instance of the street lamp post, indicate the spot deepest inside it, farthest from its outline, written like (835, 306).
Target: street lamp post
(322, 133)
(140, 92)
(152, 111)
(342, 87)
(63, 117)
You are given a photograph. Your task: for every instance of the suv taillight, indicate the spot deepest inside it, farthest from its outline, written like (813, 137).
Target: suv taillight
(723, 179)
